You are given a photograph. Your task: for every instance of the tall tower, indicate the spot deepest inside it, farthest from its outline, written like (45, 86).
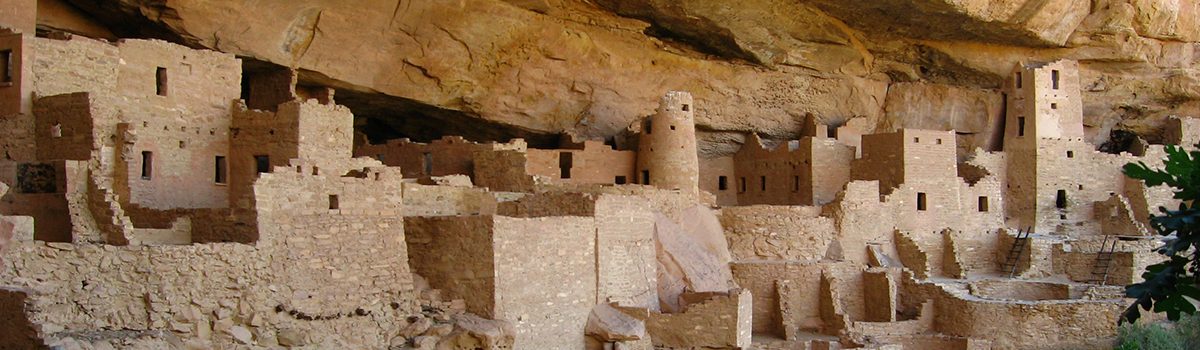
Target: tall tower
(667, 146)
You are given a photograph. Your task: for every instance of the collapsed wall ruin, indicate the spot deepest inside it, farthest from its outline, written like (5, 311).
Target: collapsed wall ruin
(146, 203)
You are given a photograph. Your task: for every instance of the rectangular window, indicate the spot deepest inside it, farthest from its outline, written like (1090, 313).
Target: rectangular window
(722, 183)
(219, 174)
(262, 164)
(1060, 199)
(916, 140)
(649, 127)
(685, 107)
(1054, 78)
(1070, 154)
(1053, 106)
(831, 133)
(645, 177)
(333, 201)
(1020, 126)
(796, 183)
(762, 183)
(427, 163)
(921, 201)
(1018, 80)
(620, 180)
(147, 164)
(741, 185)
(160, 81)
(565, 162)
(983, 204)
(6, 66)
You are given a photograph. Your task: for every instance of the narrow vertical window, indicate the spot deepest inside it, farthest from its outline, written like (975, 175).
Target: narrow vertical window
(262, 164)
(1018, 80)
(1054, 78)
(649, 127)
(333, 201)
(147, 164)
(921, 201)
(762, 183)
(722, 183)
(796, 183)
(645, 177)
(427, 163)
(983, 204)
(219, 170)
(6, 66)
(742, 185)
(1060, 200)
(565, 163)
(1020, 126)
(160, 81)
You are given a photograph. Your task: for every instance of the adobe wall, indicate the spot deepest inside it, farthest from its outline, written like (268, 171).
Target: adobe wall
(503, 170)
(595, 163)
(267, 88)
(545, 277)
(456, 255)
(14, 97)
(65, 126)
(810, 171)
(882, 160)
(182, 165)
(202, 81)
(361, 290)
(449, 155)
(75, 65)
(625, 254)
(711, 171)
(427, 200)
(19, 14)
(1049, 111)
(1182, 131)
(16, 138)
(787, 294)
(326, 130)
(355, 253)
(777, 232)
(40, 190)
(722, 321)
(856, 215)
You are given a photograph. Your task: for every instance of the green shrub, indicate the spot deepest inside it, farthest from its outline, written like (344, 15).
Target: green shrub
(1188, 329)
(1134, 336)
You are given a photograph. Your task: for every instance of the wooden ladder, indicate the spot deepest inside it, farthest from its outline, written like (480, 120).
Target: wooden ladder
(1103, 261)
(1014, 252)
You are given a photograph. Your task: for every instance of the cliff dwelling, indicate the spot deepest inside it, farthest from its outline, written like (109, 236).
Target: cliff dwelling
(578, 175)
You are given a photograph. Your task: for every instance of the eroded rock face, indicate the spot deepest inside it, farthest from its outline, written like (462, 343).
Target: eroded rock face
(542, 67)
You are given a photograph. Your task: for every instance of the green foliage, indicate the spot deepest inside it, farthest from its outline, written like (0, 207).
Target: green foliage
(1168, 284)
(1188, 329)
(1135, 336)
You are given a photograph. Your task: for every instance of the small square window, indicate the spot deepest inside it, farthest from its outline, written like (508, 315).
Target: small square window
(722, 183)
(262, 164)
(1053, 106)
(1070, 154)
(916, 140)
(939, 141)
(333, 202)
(685, 107)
